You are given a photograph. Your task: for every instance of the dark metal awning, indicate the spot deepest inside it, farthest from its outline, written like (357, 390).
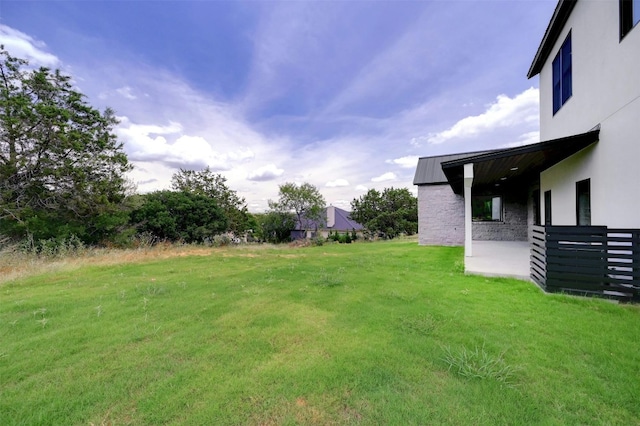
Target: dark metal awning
(514, 164)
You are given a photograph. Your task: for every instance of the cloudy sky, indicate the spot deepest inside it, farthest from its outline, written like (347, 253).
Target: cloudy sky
(345, 95)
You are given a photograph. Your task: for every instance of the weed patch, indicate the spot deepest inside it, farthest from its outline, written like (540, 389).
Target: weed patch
(477, 363)
(421, 324)
(326, 278)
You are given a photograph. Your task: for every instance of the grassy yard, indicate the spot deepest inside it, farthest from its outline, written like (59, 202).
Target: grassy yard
(380, 333)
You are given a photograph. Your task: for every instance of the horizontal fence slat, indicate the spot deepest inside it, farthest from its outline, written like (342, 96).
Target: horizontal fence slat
(591, 260)
(582, 285)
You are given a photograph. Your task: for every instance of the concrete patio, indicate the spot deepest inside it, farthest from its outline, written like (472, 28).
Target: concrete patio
(499, 259)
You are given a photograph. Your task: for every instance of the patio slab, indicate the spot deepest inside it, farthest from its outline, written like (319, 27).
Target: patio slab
(499, 259)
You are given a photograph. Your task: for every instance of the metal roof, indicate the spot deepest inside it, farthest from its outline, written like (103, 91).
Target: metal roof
(429, 169)
(508, 166)
(554, 29)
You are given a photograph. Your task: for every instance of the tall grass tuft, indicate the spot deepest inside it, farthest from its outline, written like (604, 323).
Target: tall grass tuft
(477, 363)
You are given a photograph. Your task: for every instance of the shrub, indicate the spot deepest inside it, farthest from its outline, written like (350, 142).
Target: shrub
(345, 239)
(221, 240)
(179, 216)
(53, 247)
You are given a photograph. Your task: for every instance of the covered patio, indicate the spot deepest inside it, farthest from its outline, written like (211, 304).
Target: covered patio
(512, 170)
(499, 259)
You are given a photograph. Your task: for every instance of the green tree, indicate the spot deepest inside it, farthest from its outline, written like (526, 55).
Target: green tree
(388, 214)
(62, 170)
(305, 201)
(179, 216)
(214, 185)
(275, 226)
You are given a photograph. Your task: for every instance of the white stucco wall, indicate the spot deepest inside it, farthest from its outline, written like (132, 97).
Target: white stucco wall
(606, 91)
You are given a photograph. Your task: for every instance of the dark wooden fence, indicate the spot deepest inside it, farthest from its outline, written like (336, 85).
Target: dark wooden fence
(588, 260)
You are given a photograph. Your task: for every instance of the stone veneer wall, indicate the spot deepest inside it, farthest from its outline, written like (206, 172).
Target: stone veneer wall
(514, 227)
(440, 216)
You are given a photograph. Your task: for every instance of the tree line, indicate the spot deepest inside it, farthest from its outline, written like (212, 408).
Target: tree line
(63, 175)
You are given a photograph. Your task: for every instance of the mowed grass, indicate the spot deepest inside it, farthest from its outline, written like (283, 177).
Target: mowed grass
(380, 333)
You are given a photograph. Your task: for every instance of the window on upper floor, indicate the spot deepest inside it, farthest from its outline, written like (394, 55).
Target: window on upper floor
(562, 75)
(629, 15)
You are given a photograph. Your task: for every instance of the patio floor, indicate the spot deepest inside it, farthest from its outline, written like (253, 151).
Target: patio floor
(499, 259)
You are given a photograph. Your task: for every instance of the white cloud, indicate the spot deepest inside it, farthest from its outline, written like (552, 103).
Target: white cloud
(385, 177)
(23, 46)
(525, 139)
(265, 173)
(337, 182)
(241, 154)
(148, 142)
(343, 204)
(126, 92)
(362, 188)
(505, 112)
(408, 162)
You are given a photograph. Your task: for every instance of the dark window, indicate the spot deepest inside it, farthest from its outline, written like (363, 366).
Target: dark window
(536, 207)
(562, 75)
(629, 15)
(486, 208)
(547, 207)
(583, 202)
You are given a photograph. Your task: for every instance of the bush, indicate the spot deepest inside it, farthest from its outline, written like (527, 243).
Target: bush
(221, 240)
(318, 241)
(179, 216)
(53, 247)
(344, 239)
(276, 226)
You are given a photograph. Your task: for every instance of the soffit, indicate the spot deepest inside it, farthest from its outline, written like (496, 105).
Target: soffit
(509, 166)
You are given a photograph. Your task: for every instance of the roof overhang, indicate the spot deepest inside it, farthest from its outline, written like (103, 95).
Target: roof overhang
(513, 165)
(554, 29)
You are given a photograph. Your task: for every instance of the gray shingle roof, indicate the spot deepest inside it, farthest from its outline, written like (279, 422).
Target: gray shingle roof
(343, 222)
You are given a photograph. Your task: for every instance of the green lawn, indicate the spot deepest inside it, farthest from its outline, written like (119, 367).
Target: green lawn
(379, 333)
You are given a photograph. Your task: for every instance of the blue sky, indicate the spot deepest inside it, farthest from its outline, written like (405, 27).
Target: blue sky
(345, 95)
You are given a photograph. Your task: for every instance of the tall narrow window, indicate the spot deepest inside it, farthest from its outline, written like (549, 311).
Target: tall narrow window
(547, 207)
(536, 207)
(583, 202)
(629, 15)
(562, 78)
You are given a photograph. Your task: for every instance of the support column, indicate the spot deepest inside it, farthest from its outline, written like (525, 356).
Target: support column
(468, 181)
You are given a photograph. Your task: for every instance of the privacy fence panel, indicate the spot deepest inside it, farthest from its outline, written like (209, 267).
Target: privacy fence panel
(589, 260)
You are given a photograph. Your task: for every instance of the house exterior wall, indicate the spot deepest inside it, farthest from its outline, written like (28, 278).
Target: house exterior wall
(440, 216)
(605, 91)
(513, 227)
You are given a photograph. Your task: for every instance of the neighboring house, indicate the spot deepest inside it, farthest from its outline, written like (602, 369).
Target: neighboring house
(337, 220)
(585, 173)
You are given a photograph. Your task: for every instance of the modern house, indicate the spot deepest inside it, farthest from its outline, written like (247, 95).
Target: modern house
(576, 195)
(338, 220)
